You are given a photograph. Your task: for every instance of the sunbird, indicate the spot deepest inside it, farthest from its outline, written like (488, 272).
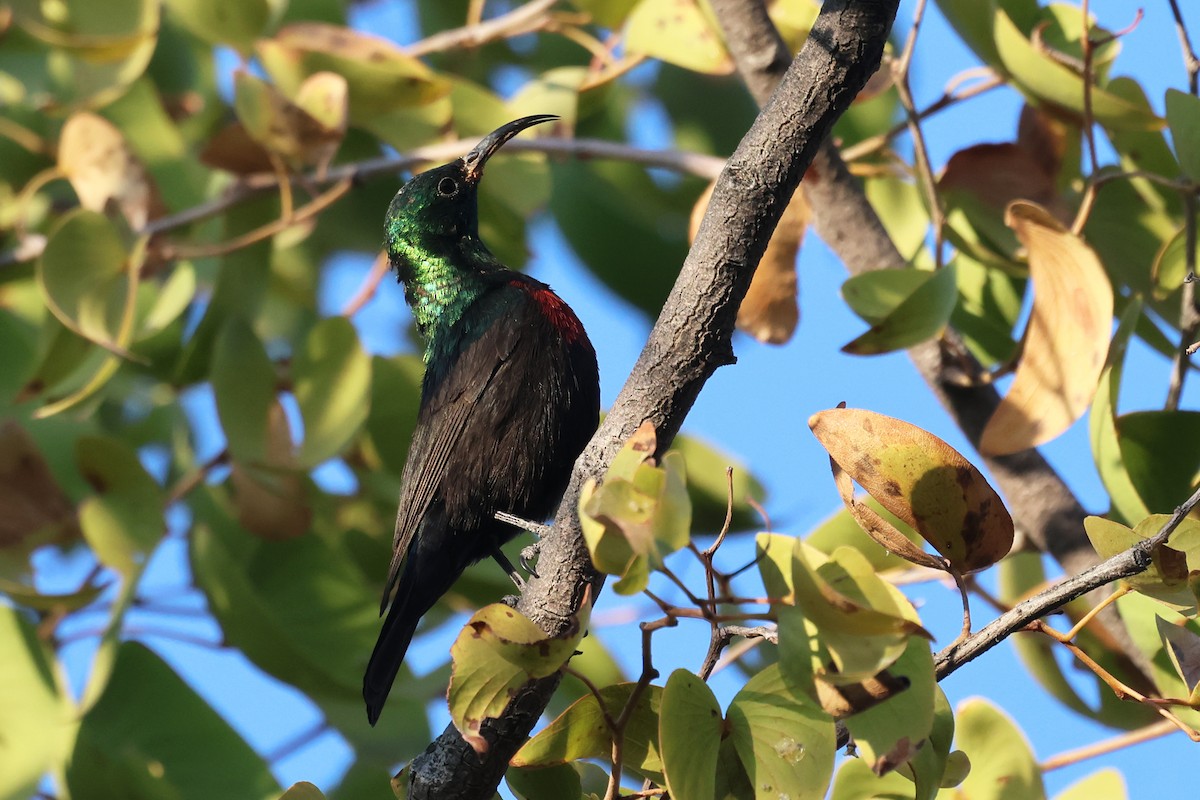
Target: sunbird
(510, 397)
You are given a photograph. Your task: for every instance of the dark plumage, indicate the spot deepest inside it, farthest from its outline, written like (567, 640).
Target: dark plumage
(510, 397)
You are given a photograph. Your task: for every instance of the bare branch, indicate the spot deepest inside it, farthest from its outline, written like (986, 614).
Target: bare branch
(1131, 562)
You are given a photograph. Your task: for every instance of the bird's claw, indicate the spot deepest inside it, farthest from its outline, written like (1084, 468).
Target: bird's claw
(529, 553)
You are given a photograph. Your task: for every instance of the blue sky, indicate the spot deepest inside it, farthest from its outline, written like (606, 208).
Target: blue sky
(756, 410)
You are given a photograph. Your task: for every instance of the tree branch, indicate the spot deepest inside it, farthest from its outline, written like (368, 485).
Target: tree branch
(1131, 562)
(1042, 505)
(691, 339)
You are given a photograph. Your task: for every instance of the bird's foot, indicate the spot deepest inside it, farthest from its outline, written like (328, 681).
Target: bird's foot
(536, 528)
(507, 566)
(529, 553)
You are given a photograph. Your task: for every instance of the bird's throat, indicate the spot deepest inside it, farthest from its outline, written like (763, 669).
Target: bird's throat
(437, 291)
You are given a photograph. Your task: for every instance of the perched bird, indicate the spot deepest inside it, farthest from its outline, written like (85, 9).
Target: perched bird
(510, 397)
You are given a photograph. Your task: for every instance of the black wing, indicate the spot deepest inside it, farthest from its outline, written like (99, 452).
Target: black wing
(449, 403)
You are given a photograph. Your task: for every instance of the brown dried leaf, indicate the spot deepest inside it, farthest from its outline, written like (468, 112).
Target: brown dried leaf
(1044, 137)
(288, 128)
(998, 173)
(233, 150)
(95, 158)
(923, 481)
(271, 501)
(31, 501)
(769, 312)
(1027, 169)
(1066, 342)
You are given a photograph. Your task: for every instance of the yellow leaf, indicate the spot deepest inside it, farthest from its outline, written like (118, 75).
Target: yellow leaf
(923, 481)
(769, 311)
(95, 158)
(1066, 342)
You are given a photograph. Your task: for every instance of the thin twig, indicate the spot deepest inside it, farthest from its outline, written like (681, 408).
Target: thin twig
(366, 290)
(1107, 746)
(1088, 123)
(299, 741)
(609, 722)
(1133, 561)
(1189, 318)
(191, 480)
(950, 97)
(937, 213)
(1119, 687)
(521, 20)
(698, 164)
(310, 209)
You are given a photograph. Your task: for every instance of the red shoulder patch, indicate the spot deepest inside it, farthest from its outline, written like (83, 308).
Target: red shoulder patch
(556, 310)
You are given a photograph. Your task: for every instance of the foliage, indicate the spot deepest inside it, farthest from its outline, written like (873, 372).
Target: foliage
(170, 370)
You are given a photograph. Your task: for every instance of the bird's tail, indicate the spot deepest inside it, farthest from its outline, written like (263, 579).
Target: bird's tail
(429, 572)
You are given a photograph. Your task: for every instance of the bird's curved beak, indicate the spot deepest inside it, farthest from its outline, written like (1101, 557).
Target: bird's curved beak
(473, 161)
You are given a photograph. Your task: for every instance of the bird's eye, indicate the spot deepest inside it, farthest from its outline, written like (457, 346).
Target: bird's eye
(447, 187)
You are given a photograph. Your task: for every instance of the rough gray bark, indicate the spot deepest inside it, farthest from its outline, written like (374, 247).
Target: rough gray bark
(691, 339)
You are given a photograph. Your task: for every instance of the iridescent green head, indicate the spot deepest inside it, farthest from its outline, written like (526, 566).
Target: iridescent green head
(437, 209)
(432, 232)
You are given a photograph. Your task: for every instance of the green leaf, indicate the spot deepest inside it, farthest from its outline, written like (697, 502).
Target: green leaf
(1159, 468)
(559, 781)
(395, 399)
(498, 651)
(1167, 578)
(1141, 616)
(152, 736)
(863, 621)
(638, 515)
(38, 721)
(171, 299)
(243, 380)
(975, 24)
(690, 729)
(1183, 117)
(1182, 644)
(1127, 504)
(82, 274)
(299, 609)
(555, 91)
(580, 732)
(841, 530)
(1039, 75)
(876, 294)
(1170, 265)
(96, 50)
(1019, 575)
(236, 23)
(1002, 765)
(784, 740)
(891, 733)
(773, 554)
(678, 32)
(381, 77)
(331, 379)
(608, 13)
(631, 233)
(855, 781)
(125, 522)
(920, 315)
(901, 209)
(302, 791)
(593, 661)
(988, 307)
(934, 766)
(708, 487)
(1107, 783)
